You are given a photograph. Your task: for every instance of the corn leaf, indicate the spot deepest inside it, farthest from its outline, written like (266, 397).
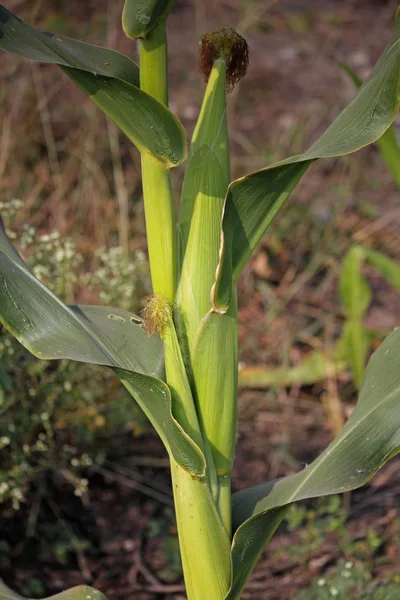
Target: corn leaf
(81, 592)
(388, 144)
(93, 334)
(254, 200)
(370, 437)
(109, 78)
(21, 39)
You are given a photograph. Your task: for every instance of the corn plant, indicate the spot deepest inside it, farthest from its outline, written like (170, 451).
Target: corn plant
(180, 361)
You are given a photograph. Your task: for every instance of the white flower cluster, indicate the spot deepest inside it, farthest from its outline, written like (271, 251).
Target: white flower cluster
(8, 210)
(118, 277)
(9, 489)
(56, 262)
(34, 437)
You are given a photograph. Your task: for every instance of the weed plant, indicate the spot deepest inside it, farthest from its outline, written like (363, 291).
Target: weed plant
(63, 412)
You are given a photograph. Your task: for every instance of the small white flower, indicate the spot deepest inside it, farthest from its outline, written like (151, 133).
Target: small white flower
(334, 591)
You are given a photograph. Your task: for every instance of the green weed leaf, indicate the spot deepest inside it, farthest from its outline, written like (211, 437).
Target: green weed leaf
(355, 296)
(355, 293)
(387, 267)
(315, 367)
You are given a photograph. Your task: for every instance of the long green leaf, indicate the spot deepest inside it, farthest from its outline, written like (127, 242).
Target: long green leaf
(370, 437)
(93, 334)
(388, 144)
(81, 592)
(147, 123)
(254, 200)
(109, 78)
(21, 39)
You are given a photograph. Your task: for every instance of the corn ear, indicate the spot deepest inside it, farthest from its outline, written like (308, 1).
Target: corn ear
(215, 375)
(211, 339)
(204, 189)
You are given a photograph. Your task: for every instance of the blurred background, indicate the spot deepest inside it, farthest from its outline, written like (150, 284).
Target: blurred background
(84, 482)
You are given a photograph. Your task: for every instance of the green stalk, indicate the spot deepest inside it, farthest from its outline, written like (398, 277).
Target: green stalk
(157, 192)
(205, 546)
(204, 543)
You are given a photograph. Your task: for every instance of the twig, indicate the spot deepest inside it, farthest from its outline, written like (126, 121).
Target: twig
(45, 119)
(134, 485)
(83, 566)
(118, 173)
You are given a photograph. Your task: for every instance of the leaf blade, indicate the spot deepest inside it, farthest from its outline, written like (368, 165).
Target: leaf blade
(98, 335)
(150, 126)
(109, 78)
(388, 144)
(81, 592)
(254, 200)
(19, 38)
(370, 437)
